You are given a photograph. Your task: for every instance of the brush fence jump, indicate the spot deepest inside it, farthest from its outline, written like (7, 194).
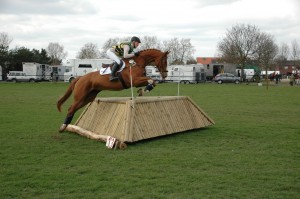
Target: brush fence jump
(142, 118)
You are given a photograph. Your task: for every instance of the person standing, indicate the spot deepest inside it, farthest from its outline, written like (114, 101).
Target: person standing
(277, 77)
(292, 79)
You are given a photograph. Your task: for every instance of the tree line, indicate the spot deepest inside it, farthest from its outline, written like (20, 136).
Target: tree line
(246, 44)
(11, 59)
(181, 50)
(242, 44)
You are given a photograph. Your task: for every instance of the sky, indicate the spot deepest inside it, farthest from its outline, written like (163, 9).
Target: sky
(73, 23)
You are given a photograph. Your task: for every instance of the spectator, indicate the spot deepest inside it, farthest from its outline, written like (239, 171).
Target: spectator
(292, 79)
(277, 78)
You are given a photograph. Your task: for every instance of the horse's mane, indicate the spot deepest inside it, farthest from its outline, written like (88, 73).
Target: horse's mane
(150, 49)
(145, 50)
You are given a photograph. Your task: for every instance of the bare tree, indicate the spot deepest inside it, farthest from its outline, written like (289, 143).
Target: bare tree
(185, 50)
(191, 60)
(5, 40)
(239, 44)
(89, 51)
(56, 53)
(173, 46)
(150, 42)
(283, 54)
(266, 51)
(295, 51)
(108, 44)
(180, 50)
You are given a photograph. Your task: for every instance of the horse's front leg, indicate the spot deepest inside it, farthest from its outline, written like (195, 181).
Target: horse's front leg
(144, 81)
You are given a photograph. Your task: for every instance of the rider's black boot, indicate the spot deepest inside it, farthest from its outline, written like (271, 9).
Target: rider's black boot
(113, 71)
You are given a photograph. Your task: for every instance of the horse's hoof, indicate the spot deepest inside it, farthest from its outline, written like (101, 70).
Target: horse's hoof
(62, 128)
(140, 92)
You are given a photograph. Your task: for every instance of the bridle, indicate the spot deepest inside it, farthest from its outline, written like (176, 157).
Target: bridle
(161, 64)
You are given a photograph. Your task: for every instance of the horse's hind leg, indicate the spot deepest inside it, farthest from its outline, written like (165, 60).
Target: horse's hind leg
(75, 107)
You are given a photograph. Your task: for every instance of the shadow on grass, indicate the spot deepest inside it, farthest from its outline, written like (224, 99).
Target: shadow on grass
(177, 136)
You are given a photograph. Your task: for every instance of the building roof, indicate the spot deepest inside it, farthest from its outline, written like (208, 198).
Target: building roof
(207, 60)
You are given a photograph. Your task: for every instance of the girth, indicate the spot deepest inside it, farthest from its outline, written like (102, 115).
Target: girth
(122, 80)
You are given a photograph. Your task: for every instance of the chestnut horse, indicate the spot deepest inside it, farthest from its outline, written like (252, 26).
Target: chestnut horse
(86, 88)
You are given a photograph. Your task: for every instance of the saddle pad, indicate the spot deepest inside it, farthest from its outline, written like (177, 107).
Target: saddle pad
(107, 71)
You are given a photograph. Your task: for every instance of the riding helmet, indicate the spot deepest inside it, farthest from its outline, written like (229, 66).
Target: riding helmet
(134, 38)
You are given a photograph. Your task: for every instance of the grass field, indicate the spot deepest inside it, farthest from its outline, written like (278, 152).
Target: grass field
(252, 151)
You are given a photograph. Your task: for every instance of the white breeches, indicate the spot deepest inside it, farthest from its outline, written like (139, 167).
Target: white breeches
(110, 53)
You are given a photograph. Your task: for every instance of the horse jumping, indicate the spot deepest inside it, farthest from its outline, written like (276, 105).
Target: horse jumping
(86, 88)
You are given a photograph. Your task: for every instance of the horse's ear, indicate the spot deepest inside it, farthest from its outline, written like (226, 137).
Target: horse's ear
(167, 52)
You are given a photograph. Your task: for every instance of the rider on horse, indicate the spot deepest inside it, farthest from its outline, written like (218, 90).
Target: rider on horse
(122, 50)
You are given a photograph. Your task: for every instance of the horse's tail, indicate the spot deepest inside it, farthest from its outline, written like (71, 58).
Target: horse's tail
(67, 94)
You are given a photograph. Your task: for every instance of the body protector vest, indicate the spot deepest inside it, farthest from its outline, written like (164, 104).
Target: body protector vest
(120, 50)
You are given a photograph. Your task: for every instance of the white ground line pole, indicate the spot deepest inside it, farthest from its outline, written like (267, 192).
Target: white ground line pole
(131, 63)
(178, 88)
(178, 82)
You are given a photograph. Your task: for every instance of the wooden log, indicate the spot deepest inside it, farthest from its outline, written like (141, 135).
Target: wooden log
(93, 136)
(86, 133)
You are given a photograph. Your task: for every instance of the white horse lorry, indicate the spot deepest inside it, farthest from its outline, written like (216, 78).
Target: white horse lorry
(248, 73)
(186, 74)
(153, 73)
(58, 72)
(32, 72)
(80, 67)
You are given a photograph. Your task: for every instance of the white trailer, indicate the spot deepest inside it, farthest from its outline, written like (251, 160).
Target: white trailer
(153, 73)
(58, 72)
(248, 73)
(271, 73)
(186, 73)
(80, 67)
(36, 71)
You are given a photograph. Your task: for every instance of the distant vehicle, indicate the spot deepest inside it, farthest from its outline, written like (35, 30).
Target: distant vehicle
(36, 71)
(80, 67)
(153, 73)
(19, 76)
(211, 70)
(226, 78)
(58, 72)
(186, 74)
(32, 72)
(248, 74)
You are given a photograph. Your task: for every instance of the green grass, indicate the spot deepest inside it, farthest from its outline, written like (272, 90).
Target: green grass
(251, 152)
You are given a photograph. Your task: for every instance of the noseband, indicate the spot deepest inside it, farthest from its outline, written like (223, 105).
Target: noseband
(165, 71)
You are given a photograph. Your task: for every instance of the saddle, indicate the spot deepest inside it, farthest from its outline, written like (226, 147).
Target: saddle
(106, 69)
(107, 65)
